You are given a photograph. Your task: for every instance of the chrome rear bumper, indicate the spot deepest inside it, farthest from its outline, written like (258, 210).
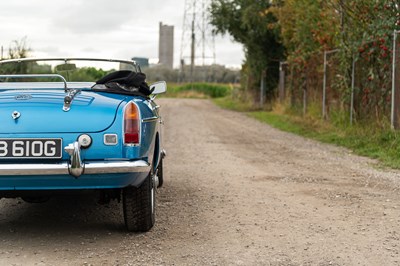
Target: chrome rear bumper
(103, 167)
(75, 167)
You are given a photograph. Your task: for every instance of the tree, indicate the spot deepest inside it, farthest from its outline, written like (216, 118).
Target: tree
(307, 27)
(251, 23)
(360, 30)
(367, 31)
(19, 49)
(86, 74)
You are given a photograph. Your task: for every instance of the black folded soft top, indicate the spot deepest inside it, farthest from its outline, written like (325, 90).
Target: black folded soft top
(124, 82)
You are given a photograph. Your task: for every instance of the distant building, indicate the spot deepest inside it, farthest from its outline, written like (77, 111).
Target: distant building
(142, 61)
(166, 46)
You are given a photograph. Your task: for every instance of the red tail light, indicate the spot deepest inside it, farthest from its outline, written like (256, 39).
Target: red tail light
(131, 124)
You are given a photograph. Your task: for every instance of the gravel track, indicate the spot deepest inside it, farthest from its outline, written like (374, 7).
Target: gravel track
(236, 192)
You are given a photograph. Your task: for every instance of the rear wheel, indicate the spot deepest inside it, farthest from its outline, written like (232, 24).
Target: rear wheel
(139, 205)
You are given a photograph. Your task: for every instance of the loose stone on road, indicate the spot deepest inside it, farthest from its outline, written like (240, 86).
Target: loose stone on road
(236, 192)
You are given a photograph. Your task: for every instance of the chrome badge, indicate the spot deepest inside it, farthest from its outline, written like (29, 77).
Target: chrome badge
(15, 115)
(23, 97)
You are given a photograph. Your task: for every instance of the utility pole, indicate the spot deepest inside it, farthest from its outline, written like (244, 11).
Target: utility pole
(1, 54)
(197, 38)
(192, 49)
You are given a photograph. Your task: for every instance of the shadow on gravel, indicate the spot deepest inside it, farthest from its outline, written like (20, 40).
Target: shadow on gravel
(74, 221)
(64, 215)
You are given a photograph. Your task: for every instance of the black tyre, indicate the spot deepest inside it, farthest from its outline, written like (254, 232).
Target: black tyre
(139, 206)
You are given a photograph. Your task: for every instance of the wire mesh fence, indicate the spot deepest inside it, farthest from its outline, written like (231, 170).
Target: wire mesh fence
(310, 85)
(359, 86)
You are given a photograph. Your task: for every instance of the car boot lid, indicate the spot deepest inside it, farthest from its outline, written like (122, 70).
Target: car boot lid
(51, 111)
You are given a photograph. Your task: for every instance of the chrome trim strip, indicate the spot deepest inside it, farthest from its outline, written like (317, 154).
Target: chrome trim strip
(150, 119)
(90, 167)
(117, 167)
(44, 85)
(37, 76)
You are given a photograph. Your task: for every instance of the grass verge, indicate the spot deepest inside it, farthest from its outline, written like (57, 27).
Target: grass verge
(367, 140)
(198, 90)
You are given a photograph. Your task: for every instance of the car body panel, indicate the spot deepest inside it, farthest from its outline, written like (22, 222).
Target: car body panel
(41, 107)
(94, 113)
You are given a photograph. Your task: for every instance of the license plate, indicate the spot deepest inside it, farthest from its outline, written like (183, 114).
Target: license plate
(30, 148)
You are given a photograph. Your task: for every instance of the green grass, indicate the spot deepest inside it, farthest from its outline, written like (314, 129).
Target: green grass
(230, 104)
(369, 140)
(198, 90)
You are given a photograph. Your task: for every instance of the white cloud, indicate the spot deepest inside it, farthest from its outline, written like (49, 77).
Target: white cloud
(101, 28)
(94, 17)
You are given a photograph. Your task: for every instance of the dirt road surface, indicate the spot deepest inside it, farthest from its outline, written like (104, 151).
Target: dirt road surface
(237, 192)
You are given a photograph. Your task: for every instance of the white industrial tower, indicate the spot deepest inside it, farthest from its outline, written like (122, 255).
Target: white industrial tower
(197, 46)
(166, 46)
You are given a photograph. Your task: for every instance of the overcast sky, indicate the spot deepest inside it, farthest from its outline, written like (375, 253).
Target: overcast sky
(100, 28)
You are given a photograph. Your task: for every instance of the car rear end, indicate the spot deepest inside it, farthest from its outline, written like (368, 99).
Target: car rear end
(95, 145)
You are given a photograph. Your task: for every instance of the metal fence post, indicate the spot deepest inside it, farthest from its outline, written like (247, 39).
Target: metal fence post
(324, 82)
(394, 115)
(324, 90)
(262, 88)
(352, 90)
(292, 96)
(304, 100)
(282, 76)
(304, 85)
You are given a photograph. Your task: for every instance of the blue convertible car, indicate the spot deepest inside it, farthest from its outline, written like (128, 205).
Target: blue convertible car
(69, 124)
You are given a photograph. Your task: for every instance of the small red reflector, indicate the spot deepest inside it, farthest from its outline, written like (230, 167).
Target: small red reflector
(131, 138)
